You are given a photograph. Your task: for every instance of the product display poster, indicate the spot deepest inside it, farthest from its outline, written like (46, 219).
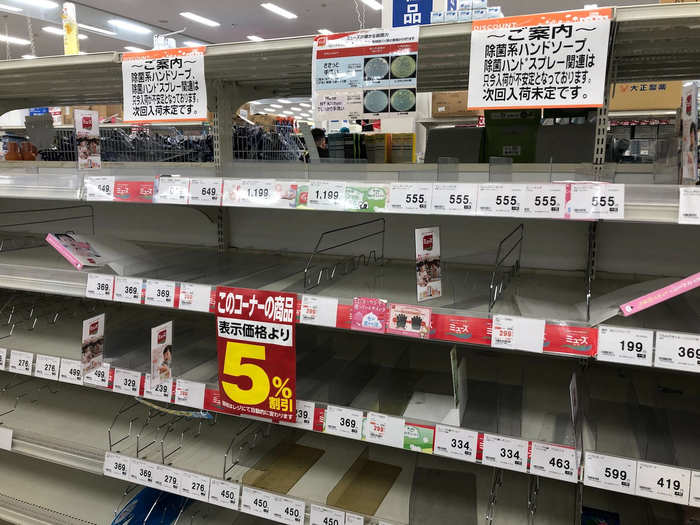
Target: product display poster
(165, 85)
(365, 74)
(689, 130)
(75, 249)
(162, 354)
(551, 60)
(409, 320)
(257, 352)
(369, 315)
(428, 271)
(93, 343)
(87, 135)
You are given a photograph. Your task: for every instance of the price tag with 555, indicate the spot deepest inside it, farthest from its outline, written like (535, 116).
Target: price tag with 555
(457, 443)
(194, 486)
(677, 351)
(327, 195)
(552, 461)
(47, 367)
(99, 286)
(287, 510)
(505, 452)
(224, 494)
(126, 382)
(256, 502)
(325, 516)
(116, 466)
(128, 290)
(206, 192)
(345, 422)
(455, 199)
(663, 482)
(99, 188)
(501, 200)
(160, 293)
(257, 193)
(546, 201)
(71, 372)
(610, 473)
(632, 346)
(414, 197)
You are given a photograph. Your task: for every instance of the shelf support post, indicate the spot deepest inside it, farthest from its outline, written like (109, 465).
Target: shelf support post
(602, 120)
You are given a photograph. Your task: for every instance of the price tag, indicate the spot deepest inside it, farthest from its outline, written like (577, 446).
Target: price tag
(160, 293)
(610, 473)
(6, 438)
(98, 377)
(224, 494)
(354, 519)
(128, 290)
(662, 482)
(71, 372)
(545, 201)
(689, 205)
(457, 443)
(206, 192)
(625, 345)
(142, 472)
(677, 351)
(327, 195)
(116, 466)
(287, 510)
(305, 415)
(256, 502)
(99, 189)
(167, 479)
(383, 429)
(126, 382)
(3, 358)
(501, 200)
(344, 422)
(195, 297)
(505, 452)
(518, 333)
(556, 462)
(319, 311)
(257, 193)
(325, 516)
(411, 197)
(189, 394)
(695, 490)
(161, 392)
(596, 201)
(455, 199)
(21, 362)
(99, 286)
(194, 486)
(47, 367)
(172, 190)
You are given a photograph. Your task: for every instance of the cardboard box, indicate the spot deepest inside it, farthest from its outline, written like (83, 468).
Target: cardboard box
(639, 96)
(452, 104)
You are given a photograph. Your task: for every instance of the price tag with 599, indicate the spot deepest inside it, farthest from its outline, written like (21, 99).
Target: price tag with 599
(552, 461)
(457, 443)
(662, 482)
(344, 422)
(610, 473)
(632, 346)
(160, 293)
(205, 192)
(505, 452)
(456, 199)
(411, 197)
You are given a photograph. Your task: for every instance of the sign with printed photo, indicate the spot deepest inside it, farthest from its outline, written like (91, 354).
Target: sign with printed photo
(428, 272)
(87, 134)
(162, 354)
(409, 320)
(551, 60)
(257, 352)
(370, 73)
(93, 342)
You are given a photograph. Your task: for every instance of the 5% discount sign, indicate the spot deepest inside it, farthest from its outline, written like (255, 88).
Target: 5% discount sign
(257, 352)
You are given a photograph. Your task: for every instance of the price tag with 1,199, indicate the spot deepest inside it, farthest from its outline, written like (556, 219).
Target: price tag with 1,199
(99, 189)
(553, 461)
(71, 372)
(610, 473)
(663, 482)
(458, 443)
(287, 510)
(455, 199)
(116, 466)
(257, 193)
(128, 289)
(206, 192)
(98, 377)
(327, 195)
(501, 200)
(632, 346)
(224, 494)
(256, 502)
(345, 422)
(414, 197)
(126, 382)
(21, 362)
(677, 351)
(194, 486)
(305, 415)
(505, 452)
(47, 367)
(99, 286)
(160, 293)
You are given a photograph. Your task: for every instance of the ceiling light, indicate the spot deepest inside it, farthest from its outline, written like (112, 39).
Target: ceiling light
(325, 31)
(200, 19)
(192, 43)
(278, 10)
(284, 101)
(41, 4)
(373, 4)
(14, 40)
(288, 113)
(305, 114)
(129, 26)
(58, 31)
(305, 105)
(295, 108)
(269, 110)
(255, 38)
(97, 30)
(28, 56)
(11, 8)
(134, 49)
(276, 106)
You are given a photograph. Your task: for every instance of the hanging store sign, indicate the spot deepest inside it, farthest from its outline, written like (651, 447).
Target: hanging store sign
(87, 134)
(165, 85)
(550, 60)
(689, 123)
(365, 74)
(257, 352)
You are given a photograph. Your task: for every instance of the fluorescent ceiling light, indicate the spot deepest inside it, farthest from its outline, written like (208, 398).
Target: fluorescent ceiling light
(278, 10)
(255, 38)
(295, 108)
(59, 31)
(129, 26)
(28, 56)
(269, 110)
(288, 113)
(305, 105)
(373, 4)
(325, 31)
(192, 43)
(97, 30)
(11, 8)
(14, 40)
(284, 101)
(276, 106)
(42, 4)
(200, 19)
(134, 49)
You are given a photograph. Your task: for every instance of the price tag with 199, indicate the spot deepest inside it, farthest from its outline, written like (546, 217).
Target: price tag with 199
(99, 286)
(618, 344)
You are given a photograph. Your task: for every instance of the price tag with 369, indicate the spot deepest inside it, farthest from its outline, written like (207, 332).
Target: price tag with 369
(99, 286)
(414, 197)
(142, 472)
(458, 443)
(505, 452)
(345, 422)
(633, 346)
(224, 494)
(677, 351)
(610, 473)
(128, 290)
(160, 293)
(116, 466)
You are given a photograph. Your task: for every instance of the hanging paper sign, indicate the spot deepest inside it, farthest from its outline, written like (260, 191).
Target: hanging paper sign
(93, 344)
(257, 352)
(365, 74)
(428, 272)
(162, 354)
(689, 133)
(87, 134)
(165, 85)
(549, 60)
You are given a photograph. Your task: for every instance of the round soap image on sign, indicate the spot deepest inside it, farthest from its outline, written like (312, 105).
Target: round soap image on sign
(403, 66)
(376, 101)
(403, 100)
(376, 68)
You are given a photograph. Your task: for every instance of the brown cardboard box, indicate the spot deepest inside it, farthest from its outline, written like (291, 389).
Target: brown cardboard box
(452, 104)
(640, 96)
(115, 113)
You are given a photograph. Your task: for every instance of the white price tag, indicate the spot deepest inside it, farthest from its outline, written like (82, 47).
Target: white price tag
(287, 510)
(518, 333)
(172, 190)
(21, 362)
(631, 346)
(305, 416)
(319, 311)
(414, 197)
(224, 494)
(610, 473)
(189, 394)
(126, 382)
(677, 351)
(71, 372)
(206, 192)
(457, 443)
(161, 392)
(195, 297)
(47, 367)
(99, 188)
(455, 199)
(689, 206)
(385, 430)
(128, 290)
(695, 490)
(327, 195)
(258, 193)
(545, 201)
(167, 479)
(6, 438)
(662, 482)
(553, 461)
(325, 516)
(142, 472)
(505, 452)
(99, 376)
(160, 293)
(99, 286)
(194, 486)
(501, 200)
(354, 519)
(256, 502)
(596, 201)
(345, 422)
(3, 358)
(116, 466)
